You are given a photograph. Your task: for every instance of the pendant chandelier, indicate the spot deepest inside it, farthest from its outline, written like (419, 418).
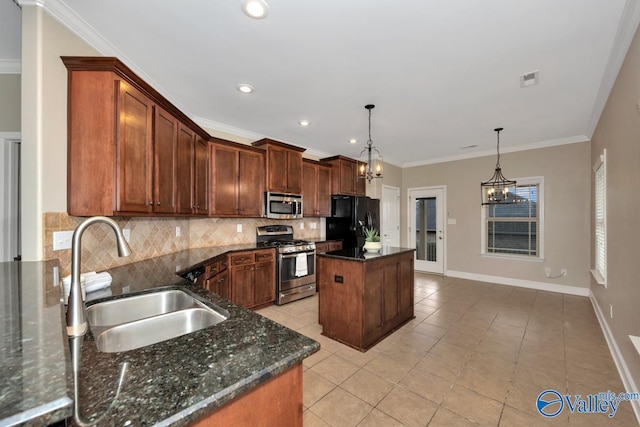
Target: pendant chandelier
(495, 191)
(370, 166)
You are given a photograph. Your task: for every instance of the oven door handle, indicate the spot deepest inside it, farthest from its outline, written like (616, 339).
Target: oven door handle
(296, 254)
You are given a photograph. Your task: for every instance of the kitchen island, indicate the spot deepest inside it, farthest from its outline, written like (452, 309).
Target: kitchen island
(178, 382)
(364, 296)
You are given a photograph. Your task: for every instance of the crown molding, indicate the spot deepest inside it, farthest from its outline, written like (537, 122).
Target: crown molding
(503, 150)
(10, 66)
(626, 31)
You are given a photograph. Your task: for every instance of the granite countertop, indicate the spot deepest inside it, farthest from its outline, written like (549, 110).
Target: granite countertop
(169, 383)
(356, 254)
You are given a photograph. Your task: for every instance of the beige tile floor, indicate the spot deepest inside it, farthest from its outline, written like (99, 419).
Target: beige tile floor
(476, 354)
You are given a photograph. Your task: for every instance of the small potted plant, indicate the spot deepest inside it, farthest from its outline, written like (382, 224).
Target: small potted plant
(372, 240)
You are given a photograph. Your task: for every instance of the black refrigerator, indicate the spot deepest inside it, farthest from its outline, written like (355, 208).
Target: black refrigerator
(349, 216)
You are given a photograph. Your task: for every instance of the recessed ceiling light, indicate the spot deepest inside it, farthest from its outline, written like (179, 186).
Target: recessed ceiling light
(304, 123)
(245, 88)
(256, 9)
(353, 140)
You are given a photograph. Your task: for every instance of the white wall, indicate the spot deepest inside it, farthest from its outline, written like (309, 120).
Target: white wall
(44, 121)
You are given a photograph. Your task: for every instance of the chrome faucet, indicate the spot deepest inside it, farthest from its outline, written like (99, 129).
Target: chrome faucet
(76, 319)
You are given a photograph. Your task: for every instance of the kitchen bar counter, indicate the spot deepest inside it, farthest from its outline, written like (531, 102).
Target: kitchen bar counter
(174, 382)
(365, 296)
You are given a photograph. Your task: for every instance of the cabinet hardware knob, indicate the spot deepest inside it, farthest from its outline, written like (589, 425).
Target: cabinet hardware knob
(158, 204)
(151, 203)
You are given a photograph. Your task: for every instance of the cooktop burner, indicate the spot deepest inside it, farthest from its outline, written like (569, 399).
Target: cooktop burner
(281, 237)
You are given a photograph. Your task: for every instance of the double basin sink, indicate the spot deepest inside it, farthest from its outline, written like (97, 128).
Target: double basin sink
(141, 320)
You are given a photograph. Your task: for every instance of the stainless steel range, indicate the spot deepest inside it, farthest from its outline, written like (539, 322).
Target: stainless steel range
(295, 262)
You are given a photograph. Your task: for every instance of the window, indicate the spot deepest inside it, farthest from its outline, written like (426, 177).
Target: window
(600, 215)
(515, 229)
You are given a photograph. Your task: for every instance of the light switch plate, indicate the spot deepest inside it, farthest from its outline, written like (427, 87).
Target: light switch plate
(126, 233)
(302, 226)
(62, 240)
(239, 228)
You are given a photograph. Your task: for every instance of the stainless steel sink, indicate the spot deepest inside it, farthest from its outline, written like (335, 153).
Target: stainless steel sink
(116, 312)
(152, 330)
(141, 320)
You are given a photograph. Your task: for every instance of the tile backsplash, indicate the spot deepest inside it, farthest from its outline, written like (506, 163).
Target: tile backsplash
(151, 237)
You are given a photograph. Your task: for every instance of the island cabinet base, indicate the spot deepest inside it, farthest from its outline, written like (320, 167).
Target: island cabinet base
(275, 403)
(363, 301)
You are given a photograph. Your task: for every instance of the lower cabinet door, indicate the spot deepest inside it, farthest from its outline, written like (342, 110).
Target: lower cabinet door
(264, 290)
(219, 284)
(242, 287)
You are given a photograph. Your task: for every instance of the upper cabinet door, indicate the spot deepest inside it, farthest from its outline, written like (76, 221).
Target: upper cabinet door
(309, 189)
(134, 170)
(201, 177)
(324, 191)
(250, 183)
(224, 180)
(277, 173)
(184, 180)
(165, 147)
(294, 172)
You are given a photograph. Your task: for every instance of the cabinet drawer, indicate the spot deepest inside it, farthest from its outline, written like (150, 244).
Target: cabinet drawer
(241, 258)
(218, 265)
(262, 256)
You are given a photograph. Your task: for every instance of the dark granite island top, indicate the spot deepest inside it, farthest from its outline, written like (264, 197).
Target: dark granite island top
(356, 254)
(174, 382)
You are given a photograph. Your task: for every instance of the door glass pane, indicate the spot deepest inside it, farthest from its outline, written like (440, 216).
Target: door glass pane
(426, 230)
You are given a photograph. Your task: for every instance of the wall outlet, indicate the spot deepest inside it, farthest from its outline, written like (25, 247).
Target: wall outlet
(126, 232)
(313, 225)
(178, 231)
(563, 271)
(547, 271)
(610, 311)
(302, 226)
(178, 268)
(62, 240)
(238, 228)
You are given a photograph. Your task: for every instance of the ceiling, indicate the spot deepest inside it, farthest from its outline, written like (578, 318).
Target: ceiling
(442, 74)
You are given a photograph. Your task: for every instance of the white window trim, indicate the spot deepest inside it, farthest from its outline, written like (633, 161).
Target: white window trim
(597, 275)
(530, 180)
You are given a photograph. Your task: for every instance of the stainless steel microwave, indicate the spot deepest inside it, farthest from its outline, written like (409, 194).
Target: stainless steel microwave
(283, 206)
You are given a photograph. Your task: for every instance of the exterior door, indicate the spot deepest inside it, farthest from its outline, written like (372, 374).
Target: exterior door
(390, 216)
(426, 228)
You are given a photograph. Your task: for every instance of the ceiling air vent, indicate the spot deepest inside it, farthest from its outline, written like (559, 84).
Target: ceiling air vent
(529, 79)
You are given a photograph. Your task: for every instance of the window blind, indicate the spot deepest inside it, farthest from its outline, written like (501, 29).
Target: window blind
(600, 220)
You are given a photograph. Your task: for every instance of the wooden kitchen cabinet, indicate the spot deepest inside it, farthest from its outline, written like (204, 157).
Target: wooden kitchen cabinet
(165, 158)
(283, 167)
(134, 148)
(253, 275)
(316, 188)
(275, 403)
(201, 177)
(216, 277)
(184, 181)
(237, 179)
(328, 246)
(344, 176)
(127, 144)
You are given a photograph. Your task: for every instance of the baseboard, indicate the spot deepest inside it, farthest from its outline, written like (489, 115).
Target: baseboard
(623, 370)
(529, 284)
